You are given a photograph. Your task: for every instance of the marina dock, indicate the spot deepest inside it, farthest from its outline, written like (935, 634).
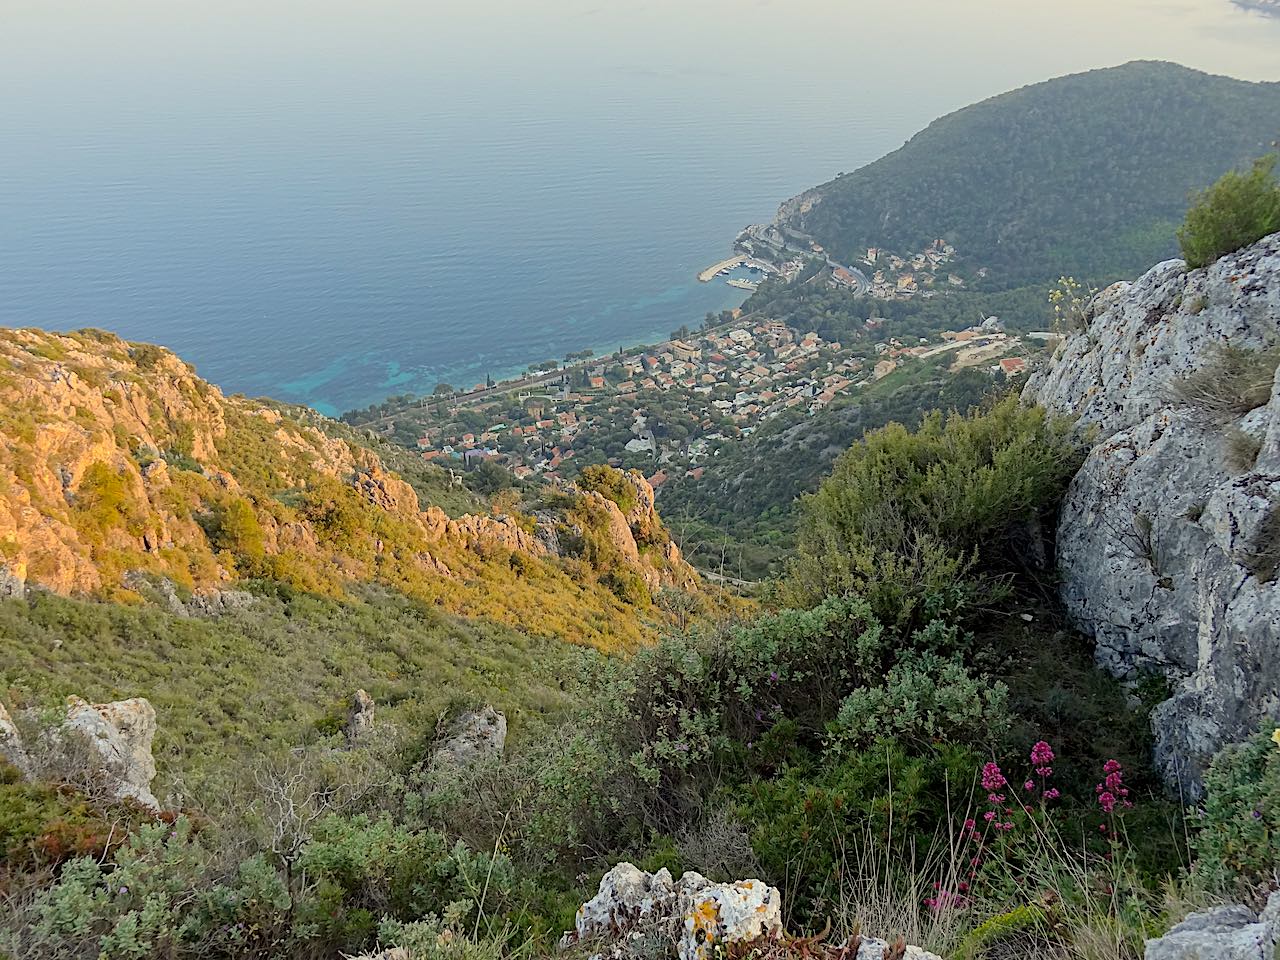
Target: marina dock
(724, 266)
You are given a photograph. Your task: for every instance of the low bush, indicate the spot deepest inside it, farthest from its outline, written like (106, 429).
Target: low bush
(1238, 843)
(925, 699)
(811, 825)
(1238, 210)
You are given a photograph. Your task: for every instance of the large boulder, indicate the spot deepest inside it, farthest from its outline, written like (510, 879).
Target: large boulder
(1223, 933)
(120, 735)
(473, 736)
(1160, 531)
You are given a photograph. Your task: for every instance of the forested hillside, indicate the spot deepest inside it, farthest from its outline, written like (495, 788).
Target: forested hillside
(1083, 175)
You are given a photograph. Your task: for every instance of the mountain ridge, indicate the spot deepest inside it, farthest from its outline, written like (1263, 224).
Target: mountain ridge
(1005, 179)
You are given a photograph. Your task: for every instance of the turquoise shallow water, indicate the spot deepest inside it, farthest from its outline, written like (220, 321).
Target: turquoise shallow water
(330, 203)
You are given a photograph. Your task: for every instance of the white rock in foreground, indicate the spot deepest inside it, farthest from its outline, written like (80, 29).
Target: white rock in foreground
(873, 948)
(701, 914)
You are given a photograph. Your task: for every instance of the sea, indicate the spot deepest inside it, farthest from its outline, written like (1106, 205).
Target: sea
(332, 202)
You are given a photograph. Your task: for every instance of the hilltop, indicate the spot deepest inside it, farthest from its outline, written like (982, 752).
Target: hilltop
(1082, 175)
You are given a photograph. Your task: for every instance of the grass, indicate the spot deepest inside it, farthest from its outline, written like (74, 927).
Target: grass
(231, 687)
(1233, 381)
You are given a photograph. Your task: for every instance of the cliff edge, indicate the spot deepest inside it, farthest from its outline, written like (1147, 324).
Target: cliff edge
(1169, 537)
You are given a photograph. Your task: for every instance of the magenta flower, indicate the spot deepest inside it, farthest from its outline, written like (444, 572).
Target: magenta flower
(1111, 791)
(992, 778)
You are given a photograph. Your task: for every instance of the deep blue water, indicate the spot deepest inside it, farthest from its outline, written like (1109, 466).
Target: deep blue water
(331, 202)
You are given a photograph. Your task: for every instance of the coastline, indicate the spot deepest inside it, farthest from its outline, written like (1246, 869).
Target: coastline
(509, 375)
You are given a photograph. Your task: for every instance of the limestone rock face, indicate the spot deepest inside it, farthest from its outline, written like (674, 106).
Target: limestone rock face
(217, 603)
(473, 736)
(359, 717)
(702, 915)
(1223, 933)
(121, 734)
(1160, 532)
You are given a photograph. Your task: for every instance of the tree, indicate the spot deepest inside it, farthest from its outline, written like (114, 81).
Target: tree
(488, 478)
(443, 389)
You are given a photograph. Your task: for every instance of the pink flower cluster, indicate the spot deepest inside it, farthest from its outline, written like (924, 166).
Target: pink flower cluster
(993, 781)
(1111, 791)
(1042, 758)
(945, 899)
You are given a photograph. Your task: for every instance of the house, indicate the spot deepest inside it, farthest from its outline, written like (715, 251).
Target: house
(883, 369)
(597, 383)
(1012, 366)
(685, 351)
(843, 277)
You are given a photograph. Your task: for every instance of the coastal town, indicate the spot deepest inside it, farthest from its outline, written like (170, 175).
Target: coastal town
(777, 248)
(664, 409)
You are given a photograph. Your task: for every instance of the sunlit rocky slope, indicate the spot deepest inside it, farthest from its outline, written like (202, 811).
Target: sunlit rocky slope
(121, 470)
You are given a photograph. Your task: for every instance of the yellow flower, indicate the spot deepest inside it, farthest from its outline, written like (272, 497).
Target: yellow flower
(1275, 737)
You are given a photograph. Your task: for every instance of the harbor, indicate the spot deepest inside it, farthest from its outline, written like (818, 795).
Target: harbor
(725, 268)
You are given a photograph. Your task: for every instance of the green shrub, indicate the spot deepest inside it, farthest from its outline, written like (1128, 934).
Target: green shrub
(906, 518)
(1238, 210)
(488, 478)
(925, 698)
(161, 898)
(805, 823)
(609, 483)
(1238, 846)
(691, 702)
(43, 825)
(234, 527)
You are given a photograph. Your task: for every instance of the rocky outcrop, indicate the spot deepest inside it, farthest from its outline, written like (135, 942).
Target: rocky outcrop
(13, 582)
(122, 472)
(120, 733)
(1223, 933)
(12, 751)
(638, 535)
(473, 736)
(219, 603)
(702, 917)
(1164, 535)
(359, 717)
(103, 745)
